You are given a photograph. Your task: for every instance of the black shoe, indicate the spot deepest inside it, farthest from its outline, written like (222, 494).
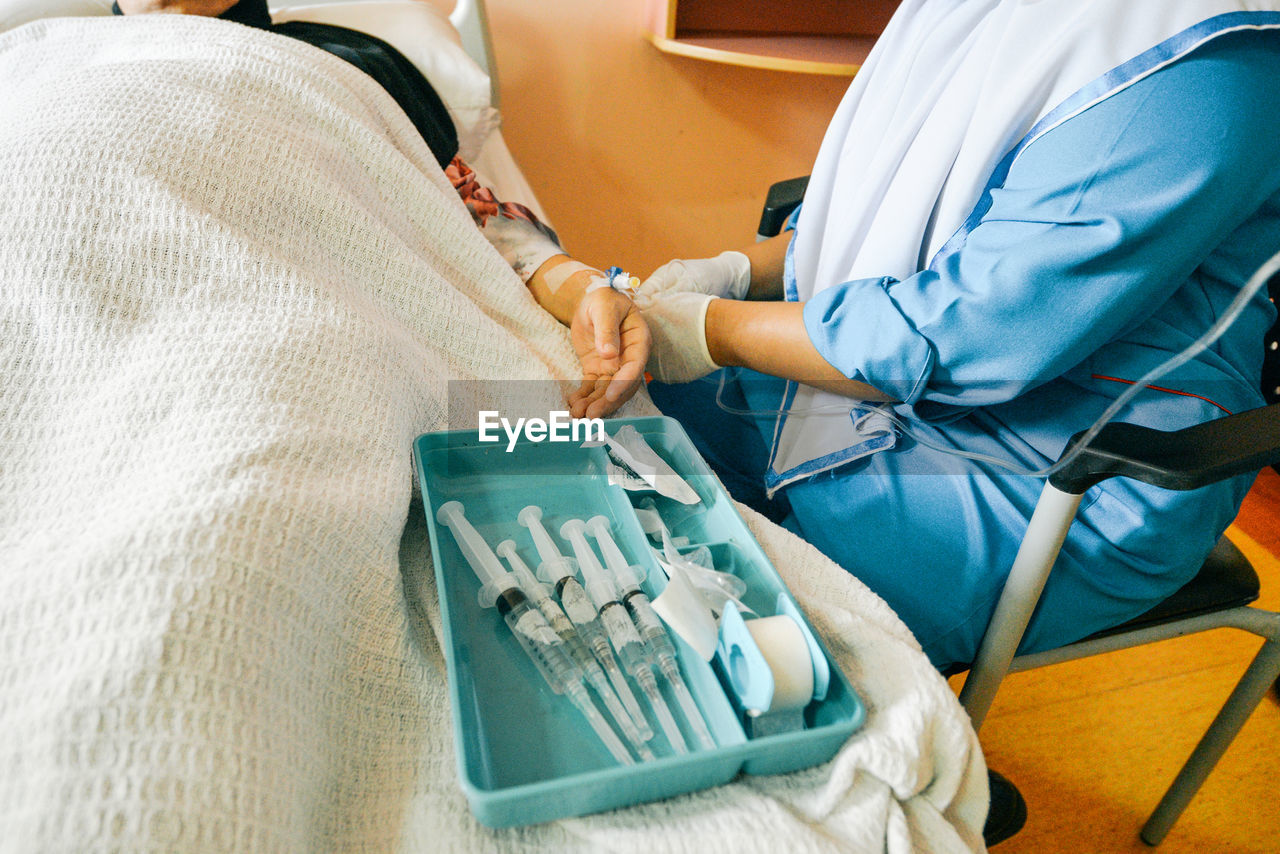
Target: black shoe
(1008, 811)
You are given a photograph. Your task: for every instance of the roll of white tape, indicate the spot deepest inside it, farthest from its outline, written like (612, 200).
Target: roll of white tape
(787, 654)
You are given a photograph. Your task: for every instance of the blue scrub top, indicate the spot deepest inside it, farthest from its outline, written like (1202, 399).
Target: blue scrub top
(1111, 242)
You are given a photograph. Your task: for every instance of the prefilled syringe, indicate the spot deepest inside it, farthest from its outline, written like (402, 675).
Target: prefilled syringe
(622, 632)
(563, 626)
(558, 572)
(501, 589)
(652, 632)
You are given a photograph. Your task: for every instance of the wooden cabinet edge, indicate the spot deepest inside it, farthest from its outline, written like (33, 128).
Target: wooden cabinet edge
(680, 47)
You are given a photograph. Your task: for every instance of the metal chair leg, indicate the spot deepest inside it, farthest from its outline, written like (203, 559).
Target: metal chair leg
(1046, 532)
(1243, 700)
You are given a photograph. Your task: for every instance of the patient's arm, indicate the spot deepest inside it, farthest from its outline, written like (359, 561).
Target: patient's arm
(612, 342)
(607, 331)
(608, 334)
(523, 240)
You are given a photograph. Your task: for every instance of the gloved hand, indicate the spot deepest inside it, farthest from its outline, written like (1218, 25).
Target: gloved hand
(677, 324)
(727, 275)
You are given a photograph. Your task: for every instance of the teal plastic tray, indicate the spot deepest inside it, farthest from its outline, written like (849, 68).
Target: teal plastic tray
(524, 754)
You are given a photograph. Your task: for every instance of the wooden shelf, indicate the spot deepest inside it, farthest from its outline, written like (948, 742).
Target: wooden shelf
(808, 36)
(836, 55)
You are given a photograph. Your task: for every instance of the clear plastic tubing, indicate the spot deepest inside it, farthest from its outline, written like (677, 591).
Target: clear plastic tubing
(540, 642)
(622, 632)
(563, 626)
(557, 571)
(1234, 309)
(661, 650)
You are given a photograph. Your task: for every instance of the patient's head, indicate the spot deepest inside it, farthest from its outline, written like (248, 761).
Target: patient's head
(211, 8)
(252, 13)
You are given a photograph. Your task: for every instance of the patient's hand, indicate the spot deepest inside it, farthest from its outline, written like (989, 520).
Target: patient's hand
(612, 342)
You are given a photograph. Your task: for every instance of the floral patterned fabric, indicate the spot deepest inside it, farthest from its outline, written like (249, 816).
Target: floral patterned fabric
(515, 231)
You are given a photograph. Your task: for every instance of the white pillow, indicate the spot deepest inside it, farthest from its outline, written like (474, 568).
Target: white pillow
(418, 30)
(15, 13)
(430, 42)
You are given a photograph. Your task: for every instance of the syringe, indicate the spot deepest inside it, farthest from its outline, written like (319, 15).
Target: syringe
(622, 632)
(543, 645)
(557, 571)
(654, 634)
(562, 626)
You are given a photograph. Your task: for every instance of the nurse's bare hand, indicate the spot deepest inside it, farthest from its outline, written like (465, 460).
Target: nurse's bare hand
(612, 343)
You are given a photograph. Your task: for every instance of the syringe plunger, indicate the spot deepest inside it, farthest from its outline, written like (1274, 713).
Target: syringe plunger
(554, 565)
(621, 630)
(540, 642)
(600, 586)
(484, 563)
(582, 656)
(577, 604)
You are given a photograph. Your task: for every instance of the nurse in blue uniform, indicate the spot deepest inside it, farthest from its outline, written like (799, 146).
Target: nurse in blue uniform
(1019, 209)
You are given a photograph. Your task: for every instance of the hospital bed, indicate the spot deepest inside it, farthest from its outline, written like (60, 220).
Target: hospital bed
(219, 627)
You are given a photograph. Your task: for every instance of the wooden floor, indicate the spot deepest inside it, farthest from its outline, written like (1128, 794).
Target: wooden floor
(1093, 744)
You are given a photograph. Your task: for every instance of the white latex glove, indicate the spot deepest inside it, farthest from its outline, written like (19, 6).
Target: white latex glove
(678, 326)
(727, 275)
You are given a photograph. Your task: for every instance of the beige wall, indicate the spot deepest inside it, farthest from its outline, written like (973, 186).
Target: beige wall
(638, 156)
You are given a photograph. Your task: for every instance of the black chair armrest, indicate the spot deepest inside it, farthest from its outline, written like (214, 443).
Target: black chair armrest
(783, 198)
(1271, 351)
(1183, 459)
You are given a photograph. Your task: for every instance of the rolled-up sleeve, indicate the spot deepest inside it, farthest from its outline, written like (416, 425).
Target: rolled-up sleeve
(1094, 226)
(892, 351)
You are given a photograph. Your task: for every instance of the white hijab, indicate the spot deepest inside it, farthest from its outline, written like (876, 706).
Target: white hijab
(951, 87)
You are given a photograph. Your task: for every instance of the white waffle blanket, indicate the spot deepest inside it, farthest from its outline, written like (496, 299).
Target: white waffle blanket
(234, 287)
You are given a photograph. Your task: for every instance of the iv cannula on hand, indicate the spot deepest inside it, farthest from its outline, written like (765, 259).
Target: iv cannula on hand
(562, 626)
(654, 634)
(556, 570)
(622, 632)
(540, 642)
